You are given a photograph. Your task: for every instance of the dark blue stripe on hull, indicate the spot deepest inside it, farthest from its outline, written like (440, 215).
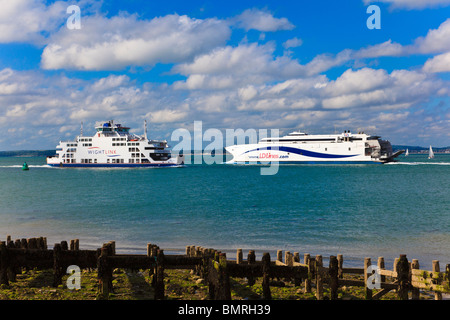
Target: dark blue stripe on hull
(309, 162)
(113, 165)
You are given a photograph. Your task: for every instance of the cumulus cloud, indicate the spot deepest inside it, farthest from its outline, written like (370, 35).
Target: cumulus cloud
(229, 66)
(262, 21)
(115, 43)
(412, 4)
(29, 20)
(439, 63)
(292, 43)
(436, 40)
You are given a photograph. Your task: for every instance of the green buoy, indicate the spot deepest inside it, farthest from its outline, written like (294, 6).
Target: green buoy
(25, 166)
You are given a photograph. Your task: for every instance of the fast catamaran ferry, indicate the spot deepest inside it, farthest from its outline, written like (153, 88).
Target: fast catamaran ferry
(113, 145)
(299, 147)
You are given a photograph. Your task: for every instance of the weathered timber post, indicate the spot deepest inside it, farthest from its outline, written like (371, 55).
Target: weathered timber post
(266, 276)
(415, 291)
(280, 259)
(223, 290)
(57, 269)
(32, 243)
(289, 261)
(105, 271)
(74, 245)
(395, 264)
(11, 267)
(380, 264)
(41, 243)
(64, 245)
(280, 255)
(297, 279)
(340, 261)
(447, 272)
(3, 264)
(319, 280)
(159, 286)
(334, 277)
(18, 245)
(239, 256)
(368, 292)
(403, 277)
(307, 261)
(212, 274)
(251, 259)
(435, 268)
(152, 251)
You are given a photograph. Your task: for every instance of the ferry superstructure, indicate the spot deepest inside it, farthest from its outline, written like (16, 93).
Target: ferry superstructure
(113, 145)
(299, 147)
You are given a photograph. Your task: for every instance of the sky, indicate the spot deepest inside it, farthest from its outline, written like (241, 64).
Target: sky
(315, 66)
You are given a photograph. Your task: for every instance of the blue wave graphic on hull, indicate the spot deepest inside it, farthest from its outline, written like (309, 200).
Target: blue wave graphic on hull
(302, 152)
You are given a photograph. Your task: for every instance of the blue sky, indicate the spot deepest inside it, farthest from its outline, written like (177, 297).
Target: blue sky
(289, 65)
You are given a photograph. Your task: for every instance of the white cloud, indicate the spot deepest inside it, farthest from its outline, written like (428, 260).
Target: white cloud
(115, 43)
(355, 81)
(439, 63)
(261, 20)
(387, 48)
(436, 40)
(231, 67)
(412, 4)
(166, 115)
(28, 20)
(292, 43)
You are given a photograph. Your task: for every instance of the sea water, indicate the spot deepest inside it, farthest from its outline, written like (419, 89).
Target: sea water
(355, 210)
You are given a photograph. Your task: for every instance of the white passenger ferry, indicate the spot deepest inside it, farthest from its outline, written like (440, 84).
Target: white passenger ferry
(299, 147)
(113, 146)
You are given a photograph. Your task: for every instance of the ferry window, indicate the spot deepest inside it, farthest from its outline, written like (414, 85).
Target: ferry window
(107, 160)
(95, 160)
(349, 149)
(326, 149)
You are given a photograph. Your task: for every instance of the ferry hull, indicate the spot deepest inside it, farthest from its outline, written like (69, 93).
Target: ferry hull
(304, 162)
(113, 165)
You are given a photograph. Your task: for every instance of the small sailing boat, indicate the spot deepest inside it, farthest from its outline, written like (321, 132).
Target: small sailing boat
(430, 153)
(25, 166)
(407, 153)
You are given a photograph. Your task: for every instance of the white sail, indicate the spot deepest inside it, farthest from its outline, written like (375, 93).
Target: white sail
(431, 154)
(407, 153)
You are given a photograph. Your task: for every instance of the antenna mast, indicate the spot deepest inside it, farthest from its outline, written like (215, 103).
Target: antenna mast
(145, 129)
